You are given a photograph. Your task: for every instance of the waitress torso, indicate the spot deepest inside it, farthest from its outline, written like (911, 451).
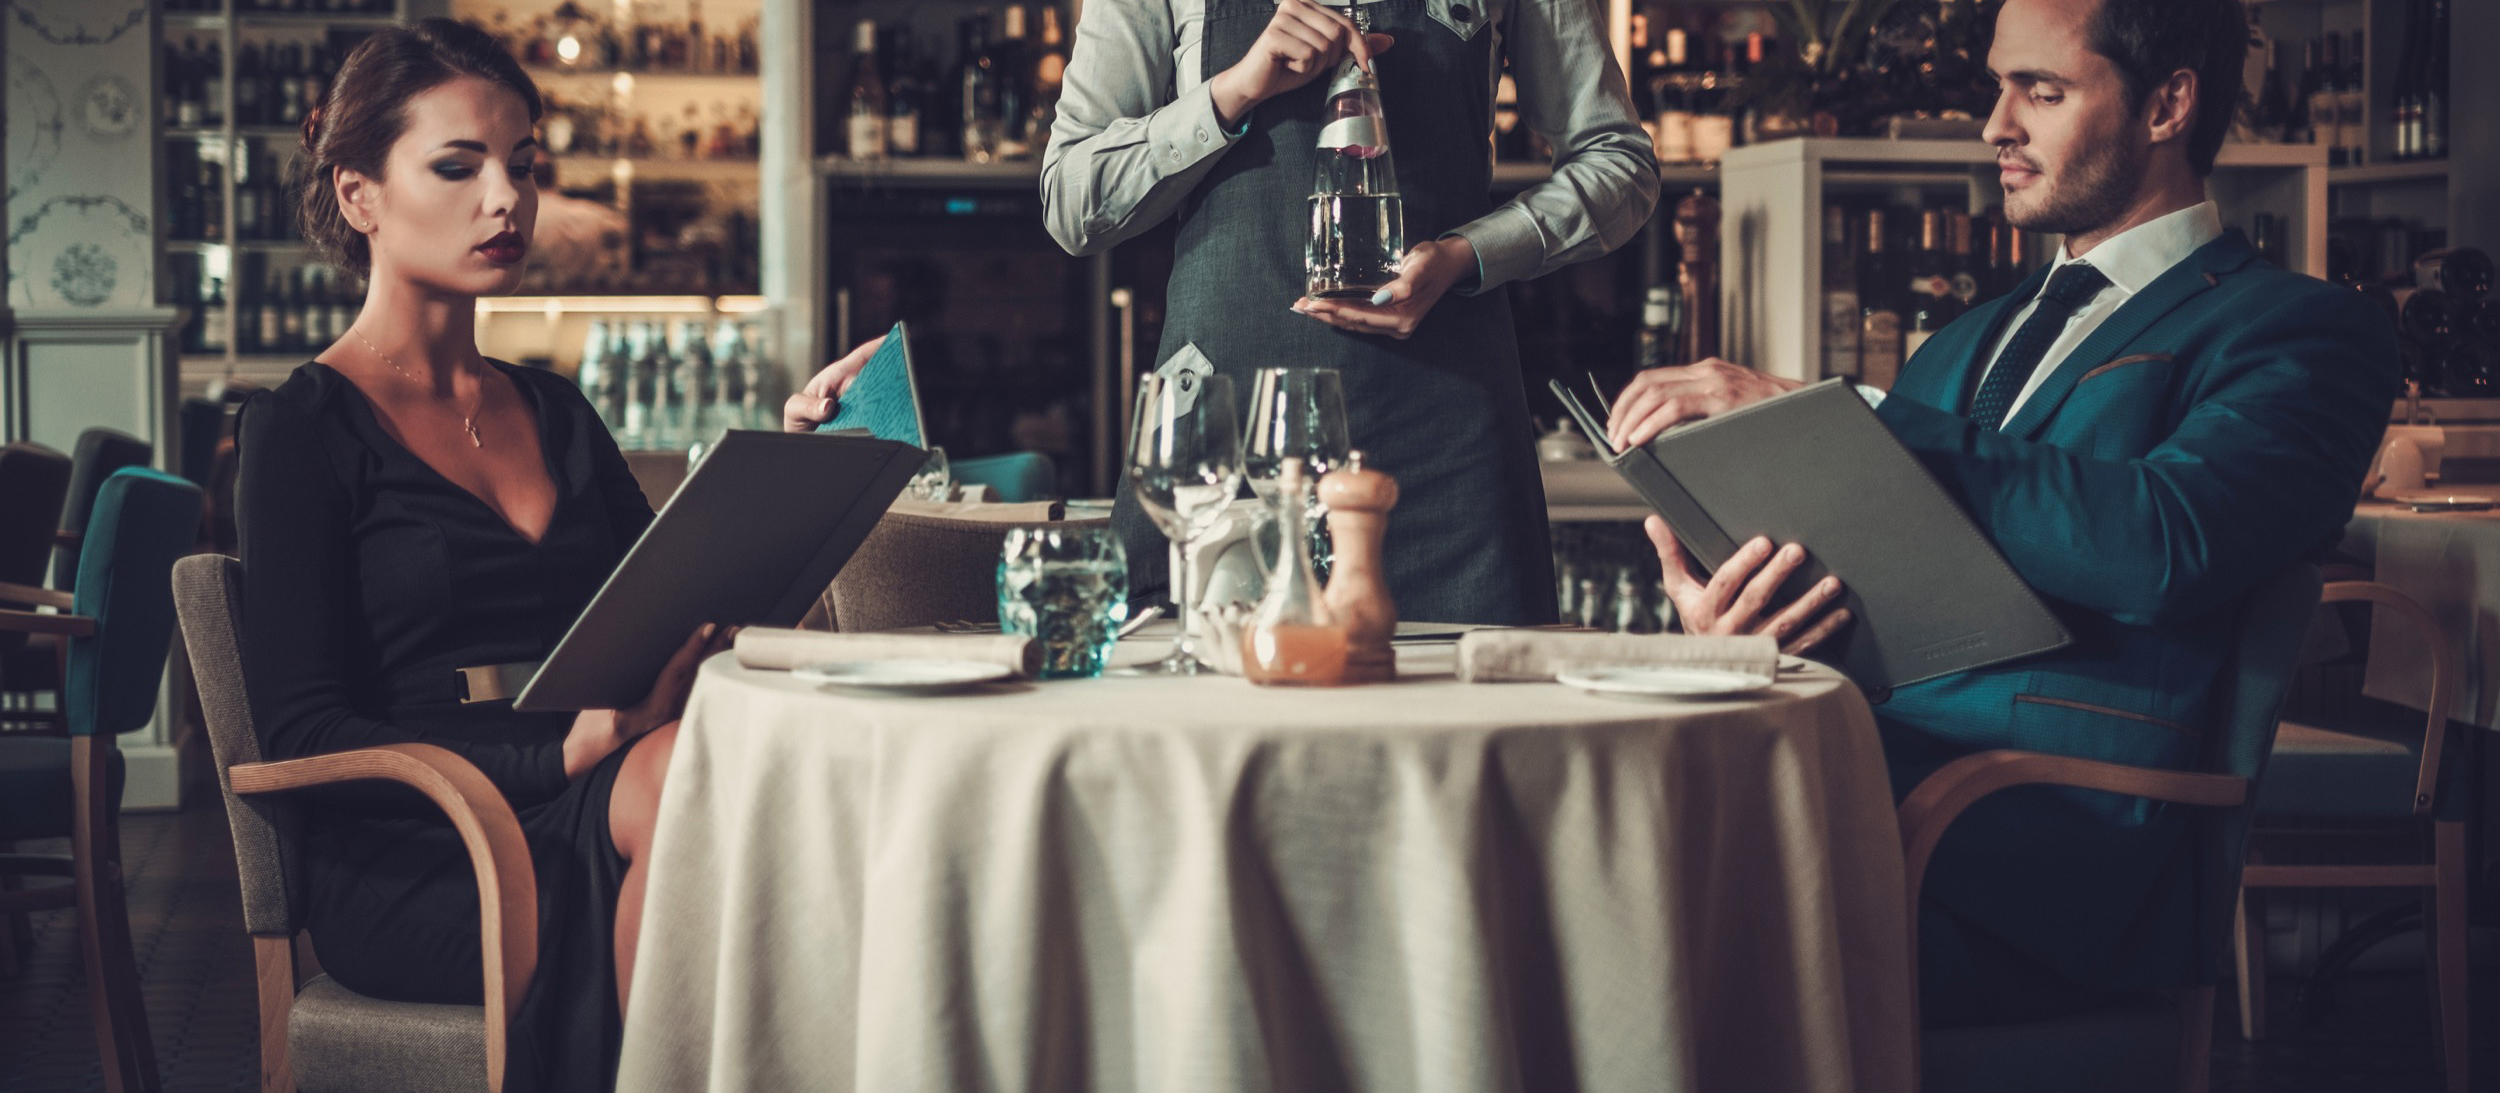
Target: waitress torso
(1444, 410)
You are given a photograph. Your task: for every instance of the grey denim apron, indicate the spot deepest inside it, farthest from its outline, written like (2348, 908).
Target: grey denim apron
(1444, 411)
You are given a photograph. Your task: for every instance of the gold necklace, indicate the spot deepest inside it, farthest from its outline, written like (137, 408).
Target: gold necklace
(467, 420)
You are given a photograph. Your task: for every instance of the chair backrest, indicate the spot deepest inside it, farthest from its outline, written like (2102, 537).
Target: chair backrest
(34, 480)
(916, 569)
(2393, 610)
(208, 589)
(2274, 618)
(99, 453)
(144, 519)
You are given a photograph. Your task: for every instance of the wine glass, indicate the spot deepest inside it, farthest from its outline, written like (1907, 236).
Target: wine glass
(1184, 466)
(1297, 413)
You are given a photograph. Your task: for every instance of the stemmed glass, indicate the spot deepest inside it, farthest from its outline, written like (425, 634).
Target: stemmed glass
(1184, 466)
(1297, 413)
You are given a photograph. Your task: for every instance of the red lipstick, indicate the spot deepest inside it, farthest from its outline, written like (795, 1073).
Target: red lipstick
(504, 249)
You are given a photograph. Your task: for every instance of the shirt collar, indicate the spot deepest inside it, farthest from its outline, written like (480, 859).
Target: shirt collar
(2137, 256)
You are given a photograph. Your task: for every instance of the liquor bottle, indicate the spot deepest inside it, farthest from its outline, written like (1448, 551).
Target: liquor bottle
(1661, 319)
(2352, 105)
(596, 372)
(1015, 90)
(216, 321)
(1879, 310)
(2301, 129)
(247, 209)
(734, 375)
(1358, 222)
(289, 72)
(1962, 272)
(1843, 322)
(1714, 125)
(1638, 77)
(1670, 88)
(342, 311)
(2404, 107)
(2326, 98)
(1293, 639)
(866, 129)
(292, 310)
(2013, 253)
(1931, 286)
(269, 320)
(248, 109)
(1697, 274)
(977, 80)
(2433, 127)
(180, 108)
(204, 82)
(694, 383)
(906, 97)
(643, 364)
(1050, 72)
(2273, 119)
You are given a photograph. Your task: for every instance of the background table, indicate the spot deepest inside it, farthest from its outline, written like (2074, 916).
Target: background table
(1195, 884)
(2449, 562)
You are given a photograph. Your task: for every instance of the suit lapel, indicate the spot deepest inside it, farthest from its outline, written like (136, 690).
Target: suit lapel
(1946, 383)
(2182, 283)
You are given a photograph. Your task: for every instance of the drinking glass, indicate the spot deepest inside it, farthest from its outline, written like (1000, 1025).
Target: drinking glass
(1067, 588)
(1297, 413)
(1184, 466)
(934, 481)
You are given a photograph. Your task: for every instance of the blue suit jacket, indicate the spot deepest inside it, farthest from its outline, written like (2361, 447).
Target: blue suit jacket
(2213, 429)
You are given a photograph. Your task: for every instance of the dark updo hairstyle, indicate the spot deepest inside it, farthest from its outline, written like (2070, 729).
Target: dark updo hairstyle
(366, 110)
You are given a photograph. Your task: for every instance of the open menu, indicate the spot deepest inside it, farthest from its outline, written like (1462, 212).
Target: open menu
(1930, 595)
(751, 539)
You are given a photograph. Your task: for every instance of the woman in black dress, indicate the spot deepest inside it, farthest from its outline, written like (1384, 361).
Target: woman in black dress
(410, 508)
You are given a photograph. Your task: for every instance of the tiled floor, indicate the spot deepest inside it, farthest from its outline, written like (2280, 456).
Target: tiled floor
(187, 928)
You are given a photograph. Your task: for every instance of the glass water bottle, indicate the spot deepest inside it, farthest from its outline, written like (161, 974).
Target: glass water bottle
(1358, 227)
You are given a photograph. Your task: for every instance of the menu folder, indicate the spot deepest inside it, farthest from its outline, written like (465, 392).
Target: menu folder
(1929, 594)
(752, 538)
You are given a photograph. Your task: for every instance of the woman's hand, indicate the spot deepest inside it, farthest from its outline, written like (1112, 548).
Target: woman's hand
(1302, 42)
(1427, 270)
(814, 403)
(1734, 600)
(598, 732)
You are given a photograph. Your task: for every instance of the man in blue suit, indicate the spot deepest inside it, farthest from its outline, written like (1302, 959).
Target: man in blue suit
(2146, 429)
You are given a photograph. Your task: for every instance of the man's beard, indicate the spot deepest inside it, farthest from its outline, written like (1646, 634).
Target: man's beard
(2088, 194)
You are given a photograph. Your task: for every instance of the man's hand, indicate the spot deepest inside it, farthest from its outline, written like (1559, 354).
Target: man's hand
(1427, 270)
(1661, 397)
(1734, 600)
(815, 402)
(1302, 42)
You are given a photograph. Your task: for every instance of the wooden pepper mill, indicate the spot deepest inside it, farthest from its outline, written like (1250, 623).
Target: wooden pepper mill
(1359, 500)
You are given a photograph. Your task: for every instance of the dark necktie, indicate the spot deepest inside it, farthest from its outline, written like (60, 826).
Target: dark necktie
(2067, 290)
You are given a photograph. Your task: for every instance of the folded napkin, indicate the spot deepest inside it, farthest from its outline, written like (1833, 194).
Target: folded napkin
(1521, 656)
(1005, 512)
(782, 650)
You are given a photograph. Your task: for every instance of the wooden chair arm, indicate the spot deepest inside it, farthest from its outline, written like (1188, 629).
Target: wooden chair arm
(34, 597)
(36, 622)
(1933, 806)
(2443, 681)
(507, 889)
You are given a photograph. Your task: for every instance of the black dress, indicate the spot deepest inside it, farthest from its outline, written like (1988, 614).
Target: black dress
(369, 578)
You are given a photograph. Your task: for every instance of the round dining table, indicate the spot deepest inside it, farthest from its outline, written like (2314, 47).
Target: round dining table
(1195, 884)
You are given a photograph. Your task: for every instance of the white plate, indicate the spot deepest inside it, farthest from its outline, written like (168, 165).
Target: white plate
(903, 676)
(1662, 681)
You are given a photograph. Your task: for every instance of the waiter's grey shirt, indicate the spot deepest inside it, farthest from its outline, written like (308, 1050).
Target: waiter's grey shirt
(1137, 129)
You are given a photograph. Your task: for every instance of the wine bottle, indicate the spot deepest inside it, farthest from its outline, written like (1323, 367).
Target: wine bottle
(905, 96)
(1638, 78)
(1050, 72)
(1358, 222)
(1879, 310)
(216, 321)
(270, 318)
(2433, 126)
(2404, 105)
(865, 129)
(1661, 319)
(2352, 105)
(2300, 130)
(1963, 271)
(1015, 89)
(247, 86)
(977, 80)
(2326, 101)
(2273, 117)
(1931, 285)
(1670, 88)
(1843, 319)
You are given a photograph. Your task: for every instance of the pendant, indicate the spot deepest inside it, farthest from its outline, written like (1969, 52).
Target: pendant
(474, 442)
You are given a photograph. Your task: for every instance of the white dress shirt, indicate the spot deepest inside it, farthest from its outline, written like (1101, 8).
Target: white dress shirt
(2131, 259)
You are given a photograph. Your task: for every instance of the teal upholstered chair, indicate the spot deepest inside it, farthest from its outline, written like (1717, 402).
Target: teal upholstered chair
(2158, 1040)
(119, 623)
(1016, 476)
(314, 1033)
(2389, 767)
(100, 453)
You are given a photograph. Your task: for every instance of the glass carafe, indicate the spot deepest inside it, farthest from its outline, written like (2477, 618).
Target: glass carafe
(1292, 640)
(1358, 226)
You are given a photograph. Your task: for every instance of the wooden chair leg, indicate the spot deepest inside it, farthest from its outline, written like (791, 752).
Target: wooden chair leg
(274, 959)
(104, 928)
(2248, 951)
(2446, 926)
(2196, 1038)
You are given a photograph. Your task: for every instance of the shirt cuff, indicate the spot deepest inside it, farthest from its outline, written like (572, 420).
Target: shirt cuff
(1188, 131)
(1509, 247)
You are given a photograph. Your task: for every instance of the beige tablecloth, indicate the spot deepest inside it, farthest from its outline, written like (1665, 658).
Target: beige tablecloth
(2450, 564)
(1198, 885)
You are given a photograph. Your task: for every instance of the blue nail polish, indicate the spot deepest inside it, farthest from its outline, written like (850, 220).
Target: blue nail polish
(1380, 297)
